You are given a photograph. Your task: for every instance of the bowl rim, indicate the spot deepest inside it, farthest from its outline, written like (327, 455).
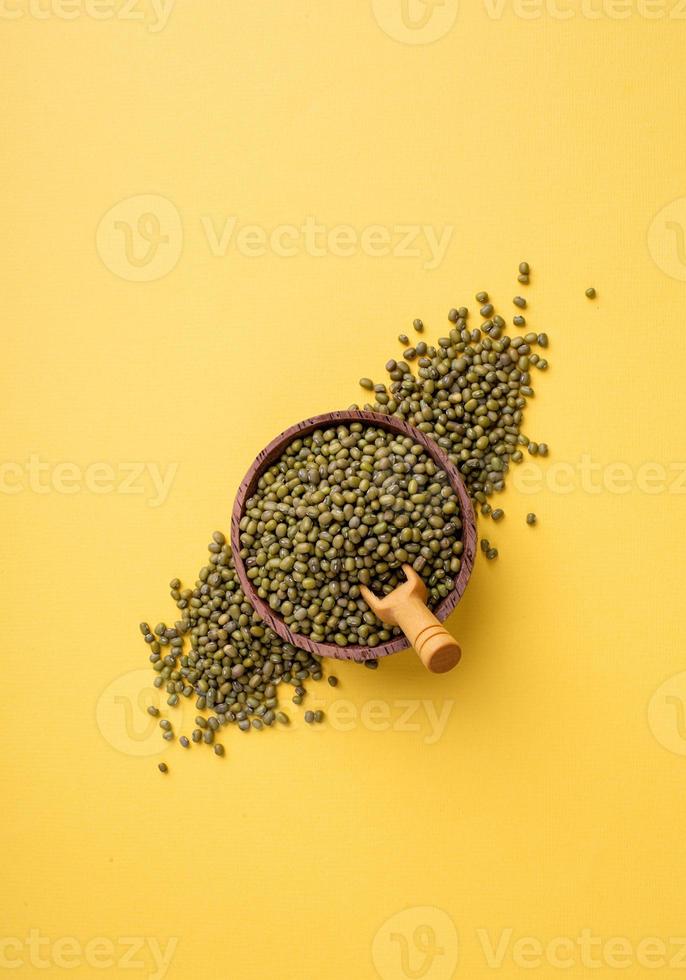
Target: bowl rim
(273, 451)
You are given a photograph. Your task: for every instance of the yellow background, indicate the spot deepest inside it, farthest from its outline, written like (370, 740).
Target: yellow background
(553, 801)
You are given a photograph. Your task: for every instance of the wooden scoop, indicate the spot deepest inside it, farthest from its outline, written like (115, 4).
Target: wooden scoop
(406, 607)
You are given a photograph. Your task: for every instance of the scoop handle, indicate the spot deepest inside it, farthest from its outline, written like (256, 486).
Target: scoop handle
(436, 648)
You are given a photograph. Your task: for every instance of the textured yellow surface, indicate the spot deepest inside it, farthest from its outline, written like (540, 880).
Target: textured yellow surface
(170, 302)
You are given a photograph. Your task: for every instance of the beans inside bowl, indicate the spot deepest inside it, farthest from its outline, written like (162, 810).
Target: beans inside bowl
(343, 506)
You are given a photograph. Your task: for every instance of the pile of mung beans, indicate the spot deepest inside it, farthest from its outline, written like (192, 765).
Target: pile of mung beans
(469, 394)
(221, 653)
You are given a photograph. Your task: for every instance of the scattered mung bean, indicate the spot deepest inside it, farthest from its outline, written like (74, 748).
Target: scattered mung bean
(468, 393)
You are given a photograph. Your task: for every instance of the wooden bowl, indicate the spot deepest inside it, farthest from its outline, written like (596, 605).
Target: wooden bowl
(273, 451)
